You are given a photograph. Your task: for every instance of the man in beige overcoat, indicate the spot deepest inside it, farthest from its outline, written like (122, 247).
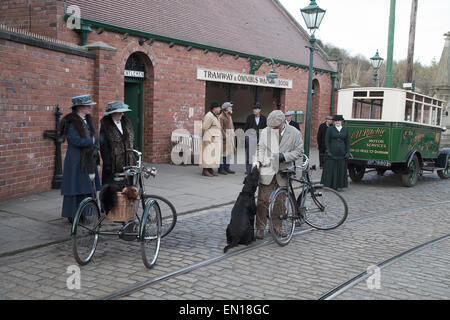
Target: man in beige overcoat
(279, 146)
(228, 143)
(211, 141)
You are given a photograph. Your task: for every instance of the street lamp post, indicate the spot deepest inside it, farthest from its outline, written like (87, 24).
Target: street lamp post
(376, 62)
(313, 16)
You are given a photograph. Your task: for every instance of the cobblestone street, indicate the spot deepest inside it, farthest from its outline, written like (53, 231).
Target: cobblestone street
(384, 220)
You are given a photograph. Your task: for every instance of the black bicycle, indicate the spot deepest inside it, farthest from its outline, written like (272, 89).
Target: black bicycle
(320, 207)
(145, 227)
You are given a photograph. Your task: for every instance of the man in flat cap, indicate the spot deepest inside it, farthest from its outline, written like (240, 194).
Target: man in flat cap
(279, 146)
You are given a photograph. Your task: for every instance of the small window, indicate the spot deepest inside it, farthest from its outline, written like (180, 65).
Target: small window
(408, 110)
(377, 93)
(419, 98)
(417, 112)
(438, 117)
(409, 95)
(426, 114)
(433, 116)
(367, 108)
(360, 94)
(428, 100)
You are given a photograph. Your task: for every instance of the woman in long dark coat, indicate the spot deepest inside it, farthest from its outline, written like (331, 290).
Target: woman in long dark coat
(81, 157)
(337, 151)
(116, 137)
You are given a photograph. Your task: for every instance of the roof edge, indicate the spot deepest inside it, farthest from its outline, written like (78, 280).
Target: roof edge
(134, 32)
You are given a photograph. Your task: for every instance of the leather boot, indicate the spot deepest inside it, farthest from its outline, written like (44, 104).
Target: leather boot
(259, 234)
(212, 172)
(206, 173)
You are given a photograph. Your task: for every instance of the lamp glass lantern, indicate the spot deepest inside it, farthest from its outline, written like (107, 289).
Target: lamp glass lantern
(272, 77)
(313, 16)
(376, 61)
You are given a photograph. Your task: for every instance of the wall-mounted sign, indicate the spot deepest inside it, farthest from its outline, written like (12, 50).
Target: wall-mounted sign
(241, 78)
(134, 74)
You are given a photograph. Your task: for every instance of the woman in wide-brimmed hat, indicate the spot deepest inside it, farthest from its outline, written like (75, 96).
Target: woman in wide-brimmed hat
(81, 157)
(337, 151)
(116, 136)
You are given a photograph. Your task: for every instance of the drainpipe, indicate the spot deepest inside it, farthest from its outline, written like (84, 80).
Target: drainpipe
(333, 80)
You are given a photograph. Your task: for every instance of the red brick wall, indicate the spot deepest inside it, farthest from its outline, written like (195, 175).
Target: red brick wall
(38, 16)
(32, 82)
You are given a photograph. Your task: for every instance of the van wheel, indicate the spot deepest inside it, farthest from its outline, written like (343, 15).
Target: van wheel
(356, 172)
(410, 179)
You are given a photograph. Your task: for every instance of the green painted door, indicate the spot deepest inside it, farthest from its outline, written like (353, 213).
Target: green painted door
(133, 98)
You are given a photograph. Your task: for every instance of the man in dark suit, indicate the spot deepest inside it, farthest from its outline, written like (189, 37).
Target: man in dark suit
(289, 120)
(255, 121)
(321, 138)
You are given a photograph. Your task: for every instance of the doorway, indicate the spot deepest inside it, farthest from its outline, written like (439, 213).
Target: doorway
(133, 96)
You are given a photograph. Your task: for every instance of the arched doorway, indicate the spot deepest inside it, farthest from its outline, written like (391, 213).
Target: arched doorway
(138, 94)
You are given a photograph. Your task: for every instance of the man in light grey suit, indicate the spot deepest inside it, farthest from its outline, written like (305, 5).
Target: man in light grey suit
(279, 146)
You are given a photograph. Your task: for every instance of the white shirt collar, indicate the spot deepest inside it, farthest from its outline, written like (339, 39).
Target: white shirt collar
(119, 125)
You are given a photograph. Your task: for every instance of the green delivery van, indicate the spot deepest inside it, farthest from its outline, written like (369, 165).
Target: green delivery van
(393, 129)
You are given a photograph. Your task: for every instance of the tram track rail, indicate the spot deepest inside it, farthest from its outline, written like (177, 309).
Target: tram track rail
(144, 284)
(343, 287)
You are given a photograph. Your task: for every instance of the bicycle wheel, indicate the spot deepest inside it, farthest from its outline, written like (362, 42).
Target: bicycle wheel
(282, 215)
(168, 213)
(325, 208)
(85, 231)
(150, 233)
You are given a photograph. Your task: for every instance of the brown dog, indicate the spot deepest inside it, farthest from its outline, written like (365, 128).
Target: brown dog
(131, 192)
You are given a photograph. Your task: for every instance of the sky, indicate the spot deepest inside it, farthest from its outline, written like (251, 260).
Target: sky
(361, 26)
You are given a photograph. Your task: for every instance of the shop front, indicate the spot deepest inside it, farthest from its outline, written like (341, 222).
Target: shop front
(244, 91)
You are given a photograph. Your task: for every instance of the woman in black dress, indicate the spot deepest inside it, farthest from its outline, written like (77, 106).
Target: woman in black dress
(337, 151)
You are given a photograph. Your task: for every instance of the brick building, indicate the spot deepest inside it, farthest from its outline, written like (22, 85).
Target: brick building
(167, 59)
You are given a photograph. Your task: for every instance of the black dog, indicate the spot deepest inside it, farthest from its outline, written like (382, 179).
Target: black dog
(241, 227)
(108, 197)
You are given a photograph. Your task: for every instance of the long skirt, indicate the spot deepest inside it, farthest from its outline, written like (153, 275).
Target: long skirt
(71, 203)
(334, 174)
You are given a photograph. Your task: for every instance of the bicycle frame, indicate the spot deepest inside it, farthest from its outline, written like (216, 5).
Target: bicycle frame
(307, 186)
(128, 171)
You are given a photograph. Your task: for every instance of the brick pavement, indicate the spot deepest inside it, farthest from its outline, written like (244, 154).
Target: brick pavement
(310, 265)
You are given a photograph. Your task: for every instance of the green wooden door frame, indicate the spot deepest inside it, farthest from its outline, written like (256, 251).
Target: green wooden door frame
(139, 127)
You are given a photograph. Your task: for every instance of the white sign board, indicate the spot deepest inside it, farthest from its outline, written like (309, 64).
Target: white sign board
(134, 74)
(241, 78)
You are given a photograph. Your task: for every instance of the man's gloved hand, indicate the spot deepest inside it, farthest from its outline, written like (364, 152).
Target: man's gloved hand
(281, 157)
